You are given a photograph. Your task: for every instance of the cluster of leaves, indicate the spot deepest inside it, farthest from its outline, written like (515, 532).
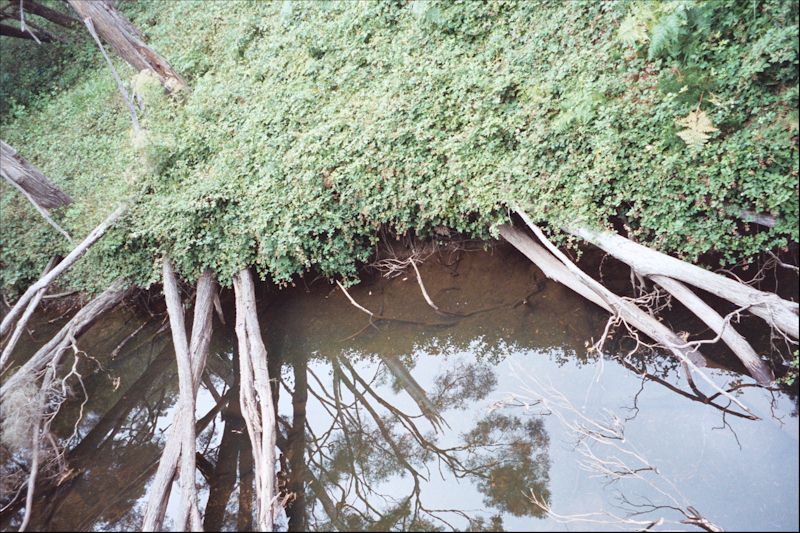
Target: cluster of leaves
(309, 125)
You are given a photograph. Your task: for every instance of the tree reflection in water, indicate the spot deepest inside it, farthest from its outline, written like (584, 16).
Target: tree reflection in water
(367, 466)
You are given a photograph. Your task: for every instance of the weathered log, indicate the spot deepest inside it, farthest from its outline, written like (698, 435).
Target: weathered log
(776, 311)
(67, 335)
(256, 397)
(59, 269)
(126, 40)
(740, 347)
(626, 310)
(20, 327)
(180, 446)
(30, 179)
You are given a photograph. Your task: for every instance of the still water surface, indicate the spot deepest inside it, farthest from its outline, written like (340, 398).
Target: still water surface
(429, 421)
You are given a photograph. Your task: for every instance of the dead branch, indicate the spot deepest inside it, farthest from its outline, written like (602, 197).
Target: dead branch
(72, 330)
(179, 448)
(59, 269)
(256, 397)
(20, 327)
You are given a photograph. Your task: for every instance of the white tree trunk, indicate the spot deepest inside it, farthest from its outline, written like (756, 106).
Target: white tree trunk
(776, 311)
(256, 397)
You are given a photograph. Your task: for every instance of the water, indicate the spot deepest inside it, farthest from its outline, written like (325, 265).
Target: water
(429, 421)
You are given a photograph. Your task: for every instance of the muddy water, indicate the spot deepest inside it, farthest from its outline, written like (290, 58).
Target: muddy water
(423, 420)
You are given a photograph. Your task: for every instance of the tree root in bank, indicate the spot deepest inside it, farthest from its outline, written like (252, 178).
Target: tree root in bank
(180, 446)
(256, 398)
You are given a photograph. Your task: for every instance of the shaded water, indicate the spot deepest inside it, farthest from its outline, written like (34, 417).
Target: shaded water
(428, 421)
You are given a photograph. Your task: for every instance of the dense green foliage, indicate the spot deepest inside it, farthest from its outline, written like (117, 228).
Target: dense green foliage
(309, 125)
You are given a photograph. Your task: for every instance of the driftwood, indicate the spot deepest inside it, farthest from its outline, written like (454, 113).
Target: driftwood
(126, 40)
(59, 269)
(180, 446)
(256, 397)
(20, 327)
(68, 334)
(581, 283)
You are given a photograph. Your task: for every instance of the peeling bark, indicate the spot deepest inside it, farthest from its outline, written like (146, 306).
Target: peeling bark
(256, 397)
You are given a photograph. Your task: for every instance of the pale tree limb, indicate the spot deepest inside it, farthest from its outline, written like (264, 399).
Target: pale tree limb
(20, 327)
(180, 446)
(160, 487)
(62, 340)
(59, 269)
(120, 86)
(256, 397)
(757, 368)
(780, 313)
(626, 310)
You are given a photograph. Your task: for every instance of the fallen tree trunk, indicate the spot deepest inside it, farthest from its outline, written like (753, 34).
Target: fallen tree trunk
(68, 335)
(12, 31)
(626, 310)
(42, 193)
(59, 269)
(780, 313)
(127, 40)
(56, 17)
(722, 327)
(16, 170)
(20, 327)
(180, 446)
(256, 397)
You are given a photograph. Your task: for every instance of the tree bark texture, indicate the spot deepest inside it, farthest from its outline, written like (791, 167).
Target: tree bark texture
(30, 179)
(114, 28)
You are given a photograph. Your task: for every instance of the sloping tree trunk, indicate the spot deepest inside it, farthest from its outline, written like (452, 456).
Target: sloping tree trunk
(36, 186)
(56, 17)
(114, 28)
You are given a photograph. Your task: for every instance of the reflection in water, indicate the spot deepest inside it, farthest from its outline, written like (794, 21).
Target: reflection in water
(396, 424)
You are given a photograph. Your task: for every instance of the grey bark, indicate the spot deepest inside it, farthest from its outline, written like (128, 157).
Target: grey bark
(179, 447)
(256, 397)
(776, 311)
(71, 331)
(16, 170)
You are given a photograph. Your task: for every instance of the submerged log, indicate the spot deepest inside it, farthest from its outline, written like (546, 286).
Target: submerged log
(59, 269)
(114, 28)
(67, 335)
(256, 397)
(180, 446)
